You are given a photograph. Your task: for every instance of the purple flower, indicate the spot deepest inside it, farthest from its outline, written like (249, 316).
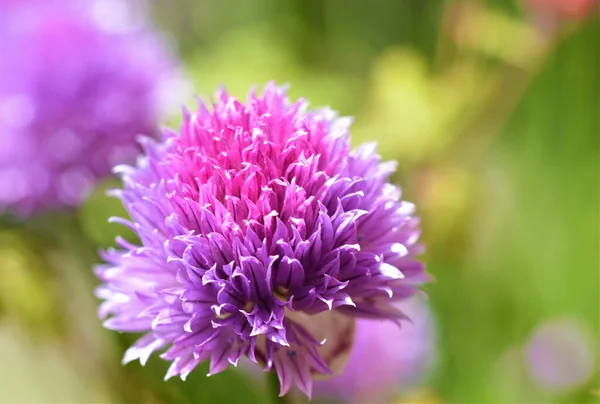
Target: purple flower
(385, 358)
(77, 86)
(561, 355)
(262, 235)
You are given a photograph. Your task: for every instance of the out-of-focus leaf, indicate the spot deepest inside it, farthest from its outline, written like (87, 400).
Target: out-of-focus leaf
(94, 214)
(28, 293)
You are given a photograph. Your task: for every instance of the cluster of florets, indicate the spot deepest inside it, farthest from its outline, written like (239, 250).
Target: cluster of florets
(262, 235)
(76, 89)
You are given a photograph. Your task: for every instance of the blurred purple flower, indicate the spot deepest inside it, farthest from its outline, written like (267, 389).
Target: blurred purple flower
(385, 359)
(79, 81)
(574, 10)
(263, 235)
(561, 355)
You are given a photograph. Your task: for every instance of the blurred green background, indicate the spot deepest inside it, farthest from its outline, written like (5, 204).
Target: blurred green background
(493, 115)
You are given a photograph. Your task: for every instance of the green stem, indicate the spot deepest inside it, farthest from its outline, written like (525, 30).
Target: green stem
(273, 388)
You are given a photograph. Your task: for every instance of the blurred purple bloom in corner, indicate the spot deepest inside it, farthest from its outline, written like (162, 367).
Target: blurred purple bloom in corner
(79, 81)
(561, 355)
(385, 359)
(263, 235)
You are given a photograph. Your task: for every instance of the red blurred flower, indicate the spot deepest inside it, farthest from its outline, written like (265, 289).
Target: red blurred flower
(574, 10)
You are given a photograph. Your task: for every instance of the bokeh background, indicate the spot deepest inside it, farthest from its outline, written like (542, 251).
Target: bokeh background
(492, 109)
